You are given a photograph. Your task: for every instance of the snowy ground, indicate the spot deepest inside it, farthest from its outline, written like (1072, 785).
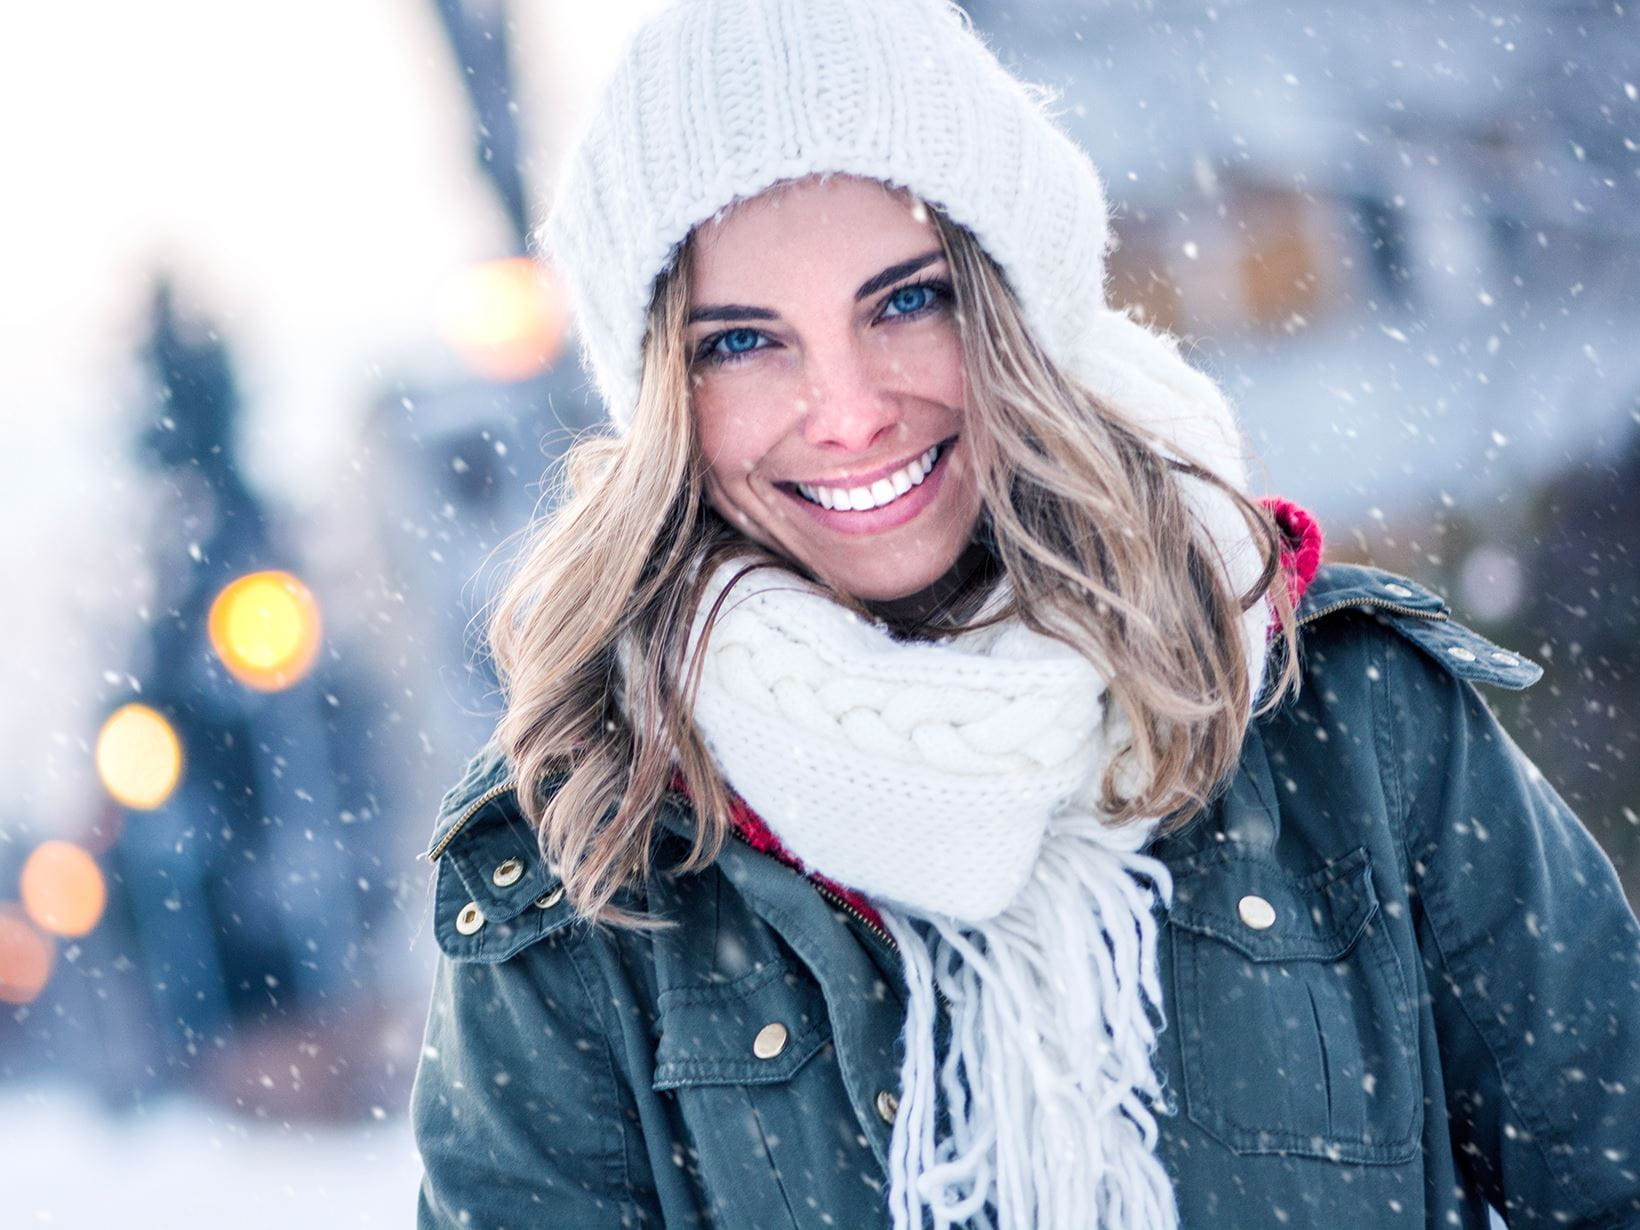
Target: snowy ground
(181, 1165)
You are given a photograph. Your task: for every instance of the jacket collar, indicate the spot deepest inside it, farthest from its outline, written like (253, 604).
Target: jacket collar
(488, 778)
(1344, 585)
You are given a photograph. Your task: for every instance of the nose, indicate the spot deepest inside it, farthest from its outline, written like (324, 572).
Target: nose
(850, 403)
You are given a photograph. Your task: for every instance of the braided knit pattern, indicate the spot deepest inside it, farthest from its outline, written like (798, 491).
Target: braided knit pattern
(964, 715)
(801, 701)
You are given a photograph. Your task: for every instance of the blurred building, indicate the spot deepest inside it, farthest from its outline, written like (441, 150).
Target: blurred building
(1407, 239)
(1406, 236)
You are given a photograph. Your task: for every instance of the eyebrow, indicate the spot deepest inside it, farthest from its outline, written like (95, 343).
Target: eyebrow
(894, 273)
(873, 284)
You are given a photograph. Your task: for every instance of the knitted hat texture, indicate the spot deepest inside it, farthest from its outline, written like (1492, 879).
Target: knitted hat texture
(717, 100)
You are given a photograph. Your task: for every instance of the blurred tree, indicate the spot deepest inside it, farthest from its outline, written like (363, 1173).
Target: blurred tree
(239, 913)
(477, 31)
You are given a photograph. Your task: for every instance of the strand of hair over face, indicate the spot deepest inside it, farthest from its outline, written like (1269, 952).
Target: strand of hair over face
(1103, 551)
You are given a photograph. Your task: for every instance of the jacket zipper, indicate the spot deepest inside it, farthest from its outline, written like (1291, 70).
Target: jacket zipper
(1412, 612)
(873, 928)
(854, 913)
(494, 792)
(833, 898)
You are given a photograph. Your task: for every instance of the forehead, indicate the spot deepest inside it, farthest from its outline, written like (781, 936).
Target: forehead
(812, 234)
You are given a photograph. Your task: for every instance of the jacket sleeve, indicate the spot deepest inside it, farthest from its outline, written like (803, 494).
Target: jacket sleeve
(518, 1112)
(1531, 955)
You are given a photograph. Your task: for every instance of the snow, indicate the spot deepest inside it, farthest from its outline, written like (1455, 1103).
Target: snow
(181, 1164)
(229, 143)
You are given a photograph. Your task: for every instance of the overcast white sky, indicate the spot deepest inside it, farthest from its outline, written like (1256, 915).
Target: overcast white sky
(304, 167)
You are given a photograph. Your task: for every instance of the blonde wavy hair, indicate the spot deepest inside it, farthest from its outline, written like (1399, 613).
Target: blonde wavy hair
(1081, 512)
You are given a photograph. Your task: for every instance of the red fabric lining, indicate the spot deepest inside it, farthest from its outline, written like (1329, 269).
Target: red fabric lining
(1300, 557)
(749, 827)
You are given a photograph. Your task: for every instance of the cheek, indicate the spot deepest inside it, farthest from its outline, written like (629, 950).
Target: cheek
(930, 365)
(734, 439)
(719, 423)
(952, 380)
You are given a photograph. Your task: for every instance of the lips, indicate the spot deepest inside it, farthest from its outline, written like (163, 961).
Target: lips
(842, 489)
(862, 497)
(891, 499)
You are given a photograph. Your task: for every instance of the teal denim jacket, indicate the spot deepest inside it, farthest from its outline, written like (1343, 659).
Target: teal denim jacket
(1401, 983)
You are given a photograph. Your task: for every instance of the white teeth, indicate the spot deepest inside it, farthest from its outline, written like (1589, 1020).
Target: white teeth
(883, 491)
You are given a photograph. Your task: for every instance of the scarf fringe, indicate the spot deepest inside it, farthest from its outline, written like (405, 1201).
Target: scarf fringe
(1037, 1133)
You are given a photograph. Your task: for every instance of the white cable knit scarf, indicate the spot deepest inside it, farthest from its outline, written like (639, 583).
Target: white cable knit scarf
(955, 784)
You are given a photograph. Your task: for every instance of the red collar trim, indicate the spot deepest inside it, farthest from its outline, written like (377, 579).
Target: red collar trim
(751, 829)
(1301, 551)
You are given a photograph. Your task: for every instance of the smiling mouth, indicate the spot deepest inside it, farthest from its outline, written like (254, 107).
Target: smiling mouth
(877, 494)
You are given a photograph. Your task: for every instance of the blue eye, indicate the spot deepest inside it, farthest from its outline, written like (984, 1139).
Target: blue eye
(909, 299)
(915, 299)
(729, 345)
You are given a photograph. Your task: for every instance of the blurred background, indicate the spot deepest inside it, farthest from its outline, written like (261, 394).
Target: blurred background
(280, 385)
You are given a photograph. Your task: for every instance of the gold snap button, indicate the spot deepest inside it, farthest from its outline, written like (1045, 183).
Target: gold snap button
(508, 873)
(1460, 653)
(470, 919)
(1508, 659)
(887, 1106)
(1256, 912)
(1399, 591)
(549, 899)
(770, 1040)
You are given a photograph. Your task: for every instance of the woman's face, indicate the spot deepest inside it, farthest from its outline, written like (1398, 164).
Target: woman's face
(827, 383)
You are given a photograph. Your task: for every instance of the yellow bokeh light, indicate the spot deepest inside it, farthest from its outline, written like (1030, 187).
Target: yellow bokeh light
(265, 628)
(506, 318)
(63, 889)
(139, 757)
(26, 957)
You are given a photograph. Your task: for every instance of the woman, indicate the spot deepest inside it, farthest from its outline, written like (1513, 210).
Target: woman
(930, 790)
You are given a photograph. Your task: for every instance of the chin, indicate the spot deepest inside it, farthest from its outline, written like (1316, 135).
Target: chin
(887, 585)
(881, 593)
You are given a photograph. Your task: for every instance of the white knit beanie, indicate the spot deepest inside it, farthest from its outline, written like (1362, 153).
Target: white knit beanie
(714, 101)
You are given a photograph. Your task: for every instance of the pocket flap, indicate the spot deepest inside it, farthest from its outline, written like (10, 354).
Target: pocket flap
(1250, 903)
(710, 1035)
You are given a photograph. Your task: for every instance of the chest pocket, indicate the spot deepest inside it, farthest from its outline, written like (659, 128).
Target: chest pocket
(1296, 1027)
(751, 1066)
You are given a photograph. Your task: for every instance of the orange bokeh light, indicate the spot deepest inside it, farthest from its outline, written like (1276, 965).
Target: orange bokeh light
(265, 627)
(506, 318)
(63, 889)
(26, 957)
(139, 757)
